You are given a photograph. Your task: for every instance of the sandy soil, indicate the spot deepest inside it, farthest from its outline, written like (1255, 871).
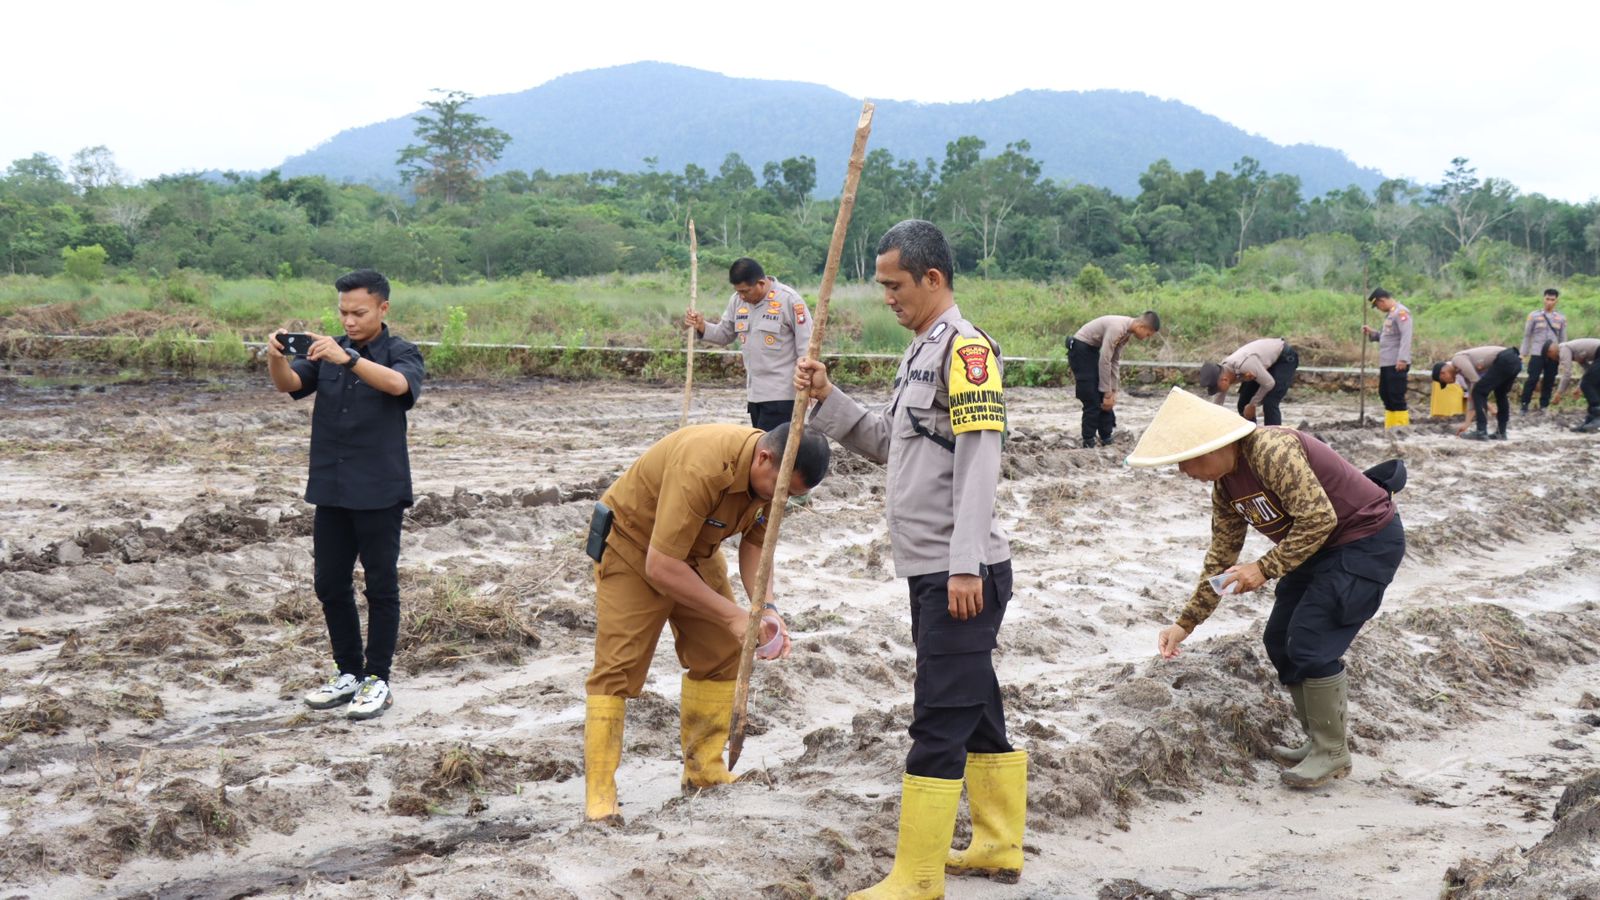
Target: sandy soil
(157, 627)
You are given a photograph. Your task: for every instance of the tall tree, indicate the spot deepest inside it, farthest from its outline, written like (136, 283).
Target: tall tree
(456, 146)
(1470, 205)
(93, 168)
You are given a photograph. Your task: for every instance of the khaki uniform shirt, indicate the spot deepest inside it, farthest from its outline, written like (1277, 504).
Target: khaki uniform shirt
(1394, 338)
(1472, 363)
(1255, 358)
(1110, 334)
(941, 497)
(776, 332)
(686, 495)
(1581, 351)
(1542, 326)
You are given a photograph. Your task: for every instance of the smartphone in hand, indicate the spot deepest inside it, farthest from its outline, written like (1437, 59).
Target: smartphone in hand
(295, 343)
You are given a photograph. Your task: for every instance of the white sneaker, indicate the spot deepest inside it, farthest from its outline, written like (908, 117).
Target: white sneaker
(371, 700)
(336, 691)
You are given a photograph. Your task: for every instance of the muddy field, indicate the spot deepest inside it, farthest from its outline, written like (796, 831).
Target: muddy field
(157, 627)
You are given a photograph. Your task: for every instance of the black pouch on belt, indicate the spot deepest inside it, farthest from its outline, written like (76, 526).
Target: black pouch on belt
(599, 529)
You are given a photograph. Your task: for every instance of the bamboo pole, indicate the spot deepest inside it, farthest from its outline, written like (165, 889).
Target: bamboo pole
(1365, 305)
(694, 294)
(791, 449)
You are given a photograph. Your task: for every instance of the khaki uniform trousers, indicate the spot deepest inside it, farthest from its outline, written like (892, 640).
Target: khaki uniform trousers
(630, 613)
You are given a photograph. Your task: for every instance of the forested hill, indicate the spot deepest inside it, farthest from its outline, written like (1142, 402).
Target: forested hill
(615, 118)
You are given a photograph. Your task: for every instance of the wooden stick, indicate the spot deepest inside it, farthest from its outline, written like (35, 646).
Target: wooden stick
(694, 294)
(1362, 418)
(791, 449)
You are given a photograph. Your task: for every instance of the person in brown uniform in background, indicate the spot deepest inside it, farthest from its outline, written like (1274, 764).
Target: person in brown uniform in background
(1544, 326)
(941, 435)
(1266, 366)
(662, 525)
(1338, 543)
(1095, 355)
(1394, 356)
(1480, 372)
(1581, 352)
(775, 326)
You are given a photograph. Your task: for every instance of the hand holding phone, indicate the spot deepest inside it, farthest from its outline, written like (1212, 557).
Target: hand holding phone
(295, 343)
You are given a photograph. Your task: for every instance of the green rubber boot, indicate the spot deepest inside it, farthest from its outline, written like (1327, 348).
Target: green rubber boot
(1288, 756)
(1330, 755)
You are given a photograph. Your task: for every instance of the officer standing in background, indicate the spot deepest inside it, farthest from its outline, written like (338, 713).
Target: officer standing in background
(1265, 366)
(941, 435)
(1095, 355)
(1394, 356)
(1482, 371)
(775, 325)
(658, 531)
(1544, 326)
(1581, 352)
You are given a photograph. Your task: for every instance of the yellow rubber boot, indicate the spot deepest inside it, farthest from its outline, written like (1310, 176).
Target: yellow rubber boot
(703, 730)
(1402, 418)
(927, 822)
(1388, 419)
(602, 753)
(997, 794)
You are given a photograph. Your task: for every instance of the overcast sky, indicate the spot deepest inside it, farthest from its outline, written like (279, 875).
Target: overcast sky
(238, 84)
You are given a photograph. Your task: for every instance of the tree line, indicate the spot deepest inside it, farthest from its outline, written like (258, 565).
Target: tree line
(1248, 225)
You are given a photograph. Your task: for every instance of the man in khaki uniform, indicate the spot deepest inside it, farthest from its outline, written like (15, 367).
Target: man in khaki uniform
(1543, 328)
(941, 435)
(1266, 366)
(1394, 356)
(1095, 355)
(1482, 371)
(775, 325)
(1568, 355)
(662, 565)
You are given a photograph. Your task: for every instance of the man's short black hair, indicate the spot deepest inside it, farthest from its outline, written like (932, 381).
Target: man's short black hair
(1551, 292)
(1210, 377)
(1378, 294)
(812, 460)
(922, 247)
(1438, 367)
(745, 271)
(370, 279)
(1150, 318)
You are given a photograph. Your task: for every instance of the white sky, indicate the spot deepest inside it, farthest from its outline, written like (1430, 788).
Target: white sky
(239, 84)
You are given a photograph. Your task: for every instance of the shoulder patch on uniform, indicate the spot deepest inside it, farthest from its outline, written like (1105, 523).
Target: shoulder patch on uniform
(1404, 315)
(977, 401)
(799, 313)
(938, 330)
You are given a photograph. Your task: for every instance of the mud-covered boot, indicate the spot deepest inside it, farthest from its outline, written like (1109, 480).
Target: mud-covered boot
(1325, 714)
(602, 753)
(1286, 755)
(703, 730)
(997, 795)
(927, 823)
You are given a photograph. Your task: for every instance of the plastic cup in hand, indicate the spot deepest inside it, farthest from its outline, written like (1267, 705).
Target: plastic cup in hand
(1224, 583)
(772, 648)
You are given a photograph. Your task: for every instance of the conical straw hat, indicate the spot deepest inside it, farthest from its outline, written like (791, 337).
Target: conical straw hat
(1187, 426)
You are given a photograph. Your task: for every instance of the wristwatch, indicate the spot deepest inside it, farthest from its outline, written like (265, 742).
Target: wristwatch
(351, 362)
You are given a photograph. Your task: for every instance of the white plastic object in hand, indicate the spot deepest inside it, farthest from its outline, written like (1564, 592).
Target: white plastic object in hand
(772, 648)
(1224, 578)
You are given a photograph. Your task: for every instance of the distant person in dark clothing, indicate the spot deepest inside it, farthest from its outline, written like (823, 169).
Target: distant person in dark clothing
(360, 482)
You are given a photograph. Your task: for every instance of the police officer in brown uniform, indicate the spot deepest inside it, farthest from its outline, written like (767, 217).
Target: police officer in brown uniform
(1579, 352)
(1266, 366)
(941, 436)
(662, 524)
(1482, 371)
(1095, 355)
(772, 320)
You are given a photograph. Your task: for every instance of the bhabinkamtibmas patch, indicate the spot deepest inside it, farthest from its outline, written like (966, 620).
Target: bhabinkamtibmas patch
(976, 399)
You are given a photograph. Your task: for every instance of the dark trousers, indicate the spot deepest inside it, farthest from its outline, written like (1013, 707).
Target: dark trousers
(956, 707)
(339, 537)
(1502, 374)
(1590, 385)
(769, 414)
(1323, 603)
(1542, 372)
(1392, 388)
(1282, 373)
(1085, 362)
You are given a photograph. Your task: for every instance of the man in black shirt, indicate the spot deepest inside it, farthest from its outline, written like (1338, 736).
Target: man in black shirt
(360, 482)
